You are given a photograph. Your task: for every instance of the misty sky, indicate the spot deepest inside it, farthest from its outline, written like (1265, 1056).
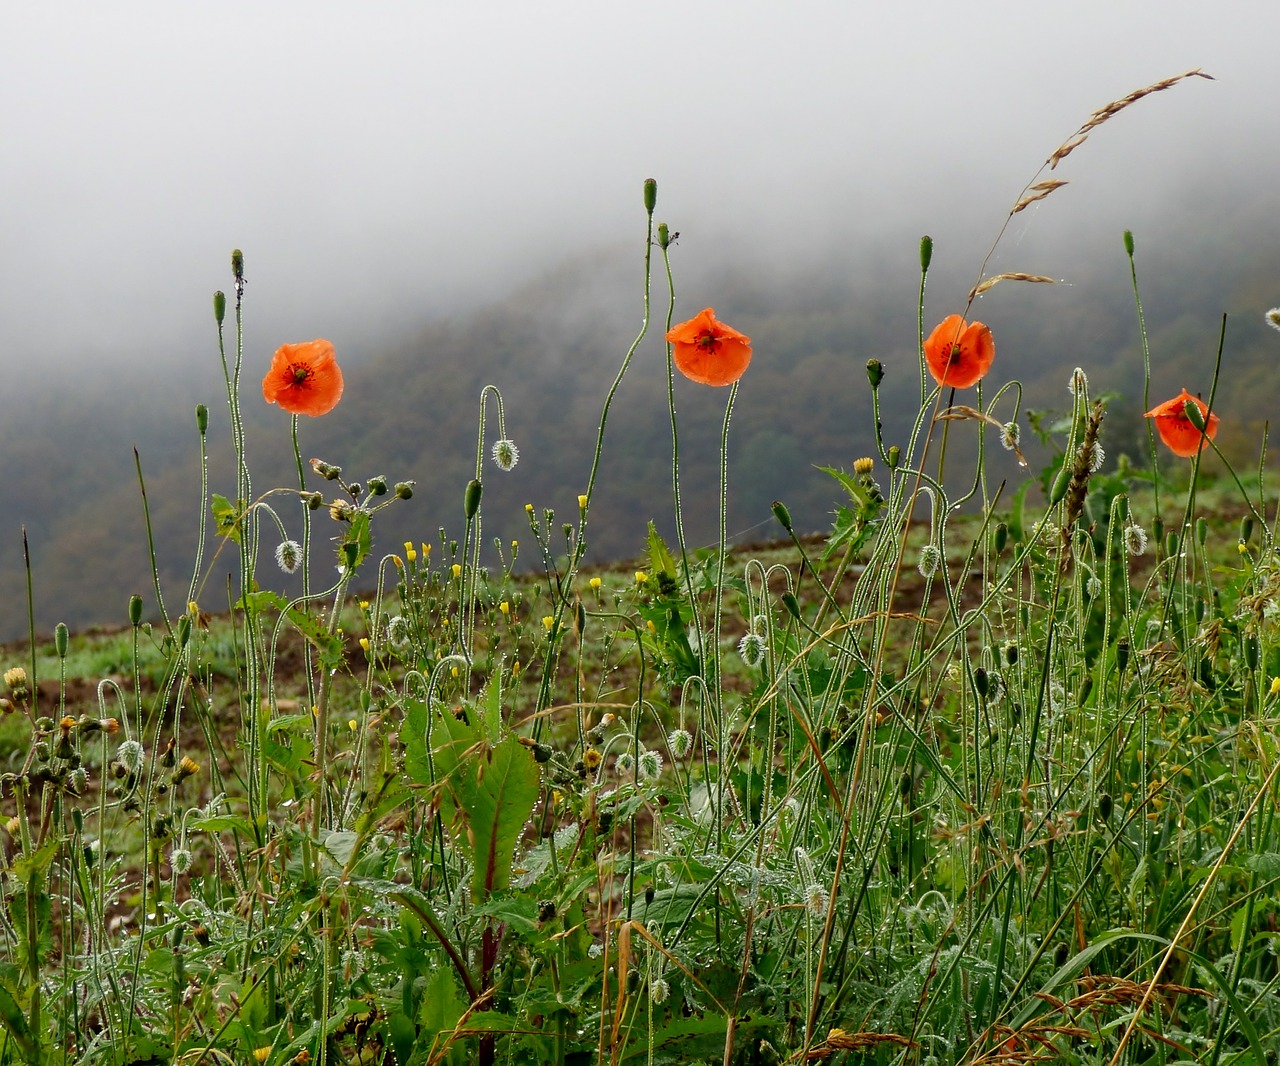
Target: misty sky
(383, 163)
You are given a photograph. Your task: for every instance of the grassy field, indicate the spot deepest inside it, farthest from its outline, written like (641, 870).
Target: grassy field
(986, 774)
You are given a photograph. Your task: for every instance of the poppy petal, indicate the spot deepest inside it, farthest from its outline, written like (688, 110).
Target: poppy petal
(959, 354)
(304, 379)
(1178, 432)
(708, 351)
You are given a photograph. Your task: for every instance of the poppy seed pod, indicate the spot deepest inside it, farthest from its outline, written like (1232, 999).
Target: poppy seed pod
(60, 636)
(219, 306)
(926, 251)
(650, 195)
(471, 502)
(135, 610)
(202, 419)
(875, 372)
(1000, 538)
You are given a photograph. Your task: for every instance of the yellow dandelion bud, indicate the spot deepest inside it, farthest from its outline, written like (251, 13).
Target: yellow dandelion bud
(1241, 547)
(863, 466)
(582, 502)
(352, 724)
(68, 723)
(515, 668)
(504, 607)
(364, 645)
(529, 508)
(261, 1054)
(399, 563)
(591, 758)
(364, 605)
(595, 582)
(426, 550)
(548, 621)
(193, 608)
(188, 767)
(641, 577)
(454, 671)
(515, 545)
(457, 569)
(409, 552)
(109, 725)
(1275, 685)
(650, 626)
(315, 711)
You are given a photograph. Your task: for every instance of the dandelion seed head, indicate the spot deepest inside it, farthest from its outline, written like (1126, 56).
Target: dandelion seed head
(505, 454)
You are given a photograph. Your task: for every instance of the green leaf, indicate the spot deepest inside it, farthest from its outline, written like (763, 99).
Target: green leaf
(221, 823)
(489, 793)
(661, 561)
(14, 1020)
(340, 845)
(226, 517)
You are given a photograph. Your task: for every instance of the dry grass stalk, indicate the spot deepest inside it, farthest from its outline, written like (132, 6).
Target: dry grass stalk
(960, 412)
(1037, 192)
(1114, 108)
(989, 283)
(842, 1040)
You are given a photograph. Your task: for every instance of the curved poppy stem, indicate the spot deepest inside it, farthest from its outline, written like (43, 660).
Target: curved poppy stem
(306, 556)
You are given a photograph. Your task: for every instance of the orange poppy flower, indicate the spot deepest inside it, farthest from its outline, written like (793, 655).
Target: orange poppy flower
(304, 378)
(1177, 430)
(959, 354)
(709, 351)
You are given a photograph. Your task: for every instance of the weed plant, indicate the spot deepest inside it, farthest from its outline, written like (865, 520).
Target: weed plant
(986, 776)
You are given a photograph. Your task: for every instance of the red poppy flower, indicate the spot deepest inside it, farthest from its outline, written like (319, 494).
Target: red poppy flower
(709, 351)
(1177, 430)
(959, 354)
(304, 378)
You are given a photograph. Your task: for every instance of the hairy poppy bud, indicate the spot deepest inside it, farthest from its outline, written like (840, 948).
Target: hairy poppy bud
(1202, 531)
(60, 636)
(1128, 242)
(781, 513)
(202, 418)
(926, 251)
(1194, 415)
(650, 195)
(471, 502)
(219, 306)
(135, 610)
(792, 605)
(875, 372)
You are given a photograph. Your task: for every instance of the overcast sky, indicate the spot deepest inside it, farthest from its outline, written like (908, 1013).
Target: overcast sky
(382, 163)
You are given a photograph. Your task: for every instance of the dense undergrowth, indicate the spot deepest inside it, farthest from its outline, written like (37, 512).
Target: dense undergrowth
(987, 775)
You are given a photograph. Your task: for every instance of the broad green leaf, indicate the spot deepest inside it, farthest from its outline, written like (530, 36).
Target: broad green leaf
(340, 844)
(661, 561)
(226, 518)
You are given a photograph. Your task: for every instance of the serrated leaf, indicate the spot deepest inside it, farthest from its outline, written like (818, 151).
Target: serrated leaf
(660, 558)
(226, 518)
(221, 823)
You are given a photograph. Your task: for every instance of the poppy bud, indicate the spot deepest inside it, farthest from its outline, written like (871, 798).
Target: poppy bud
(1085, 689)
(664, 235)
(237, 264)
(219, 306)
(1251, 652)
(650, 195)
(875, 372)
(981, 682)
(926, 251)
(1060, 483)
(1194, 415)
(135, 610)
(1202, 531)
(471, 502)
(1122, 507)
(1000, 538)
(184, 630)
(404, 490)
(1246, 529)
(202, 418)
(1128, 243)
(781, 513)
(792, 605)
(1105, 805)
(1122, 654)
(60, 636)
(1157, 529)
(894, 455)
(1011, 654)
